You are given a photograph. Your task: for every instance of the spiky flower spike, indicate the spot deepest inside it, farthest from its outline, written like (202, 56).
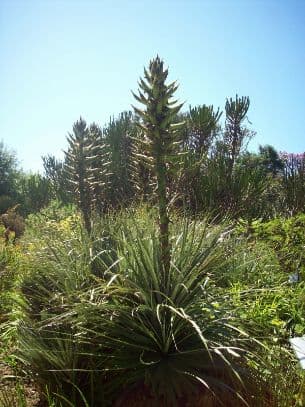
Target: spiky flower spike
(202, 123)
(86, 168)
(161, 139)
(77, 162)
(235, 134)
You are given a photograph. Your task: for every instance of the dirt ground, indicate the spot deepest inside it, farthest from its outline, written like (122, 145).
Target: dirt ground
(16, 391)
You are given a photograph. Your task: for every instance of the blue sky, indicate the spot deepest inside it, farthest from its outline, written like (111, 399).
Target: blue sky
(63, 59)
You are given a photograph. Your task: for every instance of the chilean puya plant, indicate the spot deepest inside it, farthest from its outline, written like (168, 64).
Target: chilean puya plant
(160, 140)
(77, 164)
(85, 166)
(117, 135)
(235, 134)
(99, 178)
(202, 124)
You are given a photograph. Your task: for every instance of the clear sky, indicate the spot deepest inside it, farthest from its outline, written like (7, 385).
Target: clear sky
(62, 59)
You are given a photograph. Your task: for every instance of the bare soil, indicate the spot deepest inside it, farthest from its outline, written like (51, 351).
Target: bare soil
(13, 389)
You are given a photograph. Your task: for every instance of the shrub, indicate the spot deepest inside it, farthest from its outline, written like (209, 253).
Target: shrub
(13, 223)
(286, 237)
(135, 334)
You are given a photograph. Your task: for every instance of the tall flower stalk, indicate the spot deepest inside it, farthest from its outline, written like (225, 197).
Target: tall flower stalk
(86, 168)
(160, 140)
(235, 133)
